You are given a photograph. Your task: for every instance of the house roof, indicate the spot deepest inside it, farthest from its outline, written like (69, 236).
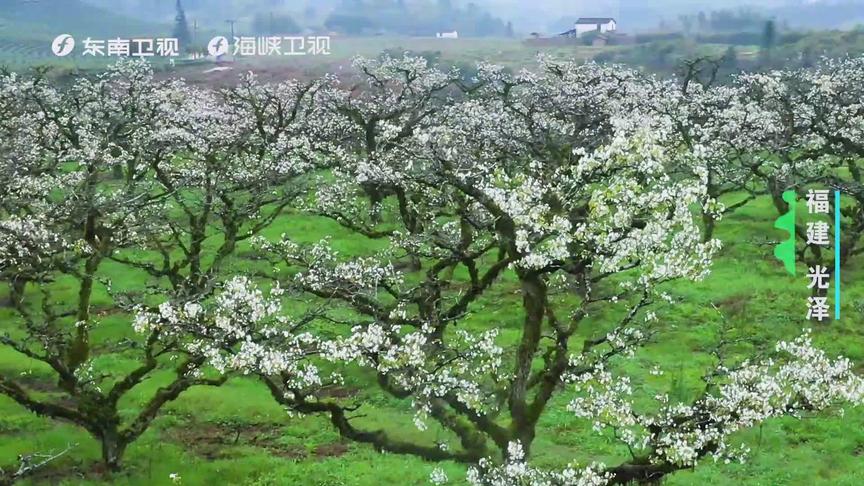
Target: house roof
(594, 20)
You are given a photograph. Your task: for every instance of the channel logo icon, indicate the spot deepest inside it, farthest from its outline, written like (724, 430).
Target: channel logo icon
(63, 45)
(218, 46)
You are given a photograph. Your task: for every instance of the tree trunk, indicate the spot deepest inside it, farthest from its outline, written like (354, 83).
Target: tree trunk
(534, 303)
(376, 198)
(79, 349)
(710, 223)
(16, 296)
(113, 448)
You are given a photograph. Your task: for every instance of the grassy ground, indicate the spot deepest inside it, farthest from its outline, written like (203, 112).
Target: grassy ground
(236, 434)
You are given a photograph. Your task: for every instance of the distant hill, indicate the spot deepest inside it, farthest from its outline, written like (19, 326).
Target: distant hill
(822, 14)
(635, 15)
(27, 27)
(34, 19)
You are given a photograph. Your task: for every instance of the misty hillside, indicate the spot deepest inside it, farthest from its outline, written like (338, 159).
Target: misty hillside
(548, 15)
(38, 19)
(526, 15)
(209, 12)
(822, 13)
(352, 17)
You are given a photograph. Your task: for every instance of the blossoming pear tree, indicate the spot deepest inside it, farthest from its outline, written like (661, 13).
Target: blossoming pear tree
(387, 101)
(128, 170)
(63, 216)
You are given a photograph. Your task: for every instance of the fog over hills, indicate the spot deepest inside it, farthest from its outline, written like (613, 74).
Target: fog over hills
(526, 15)
(641, 15)
(38, 18)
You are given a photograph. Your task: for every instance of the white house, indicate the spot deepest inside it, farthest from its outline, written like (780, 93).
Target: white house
(594, 24)
(447, 35)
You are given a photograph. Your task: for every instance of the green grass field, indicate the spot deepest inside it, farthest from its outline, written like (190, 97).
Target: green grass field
(236, 434)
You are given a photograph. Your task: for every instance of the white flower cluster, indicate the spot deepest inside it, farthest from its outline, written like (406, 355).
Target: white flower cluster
(242, 329)
(26, 244)
(417, 364)
(438, 476)
(516, 470)
(803, 379)
(324, 272)
(542, 236)
(667, 241)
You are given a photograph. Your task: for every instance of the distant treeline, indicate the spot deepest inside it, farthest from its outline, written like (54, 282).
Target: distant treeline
(733, 38)
(744, 51)
(416, 19)
(371, 17)
(727, 20)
